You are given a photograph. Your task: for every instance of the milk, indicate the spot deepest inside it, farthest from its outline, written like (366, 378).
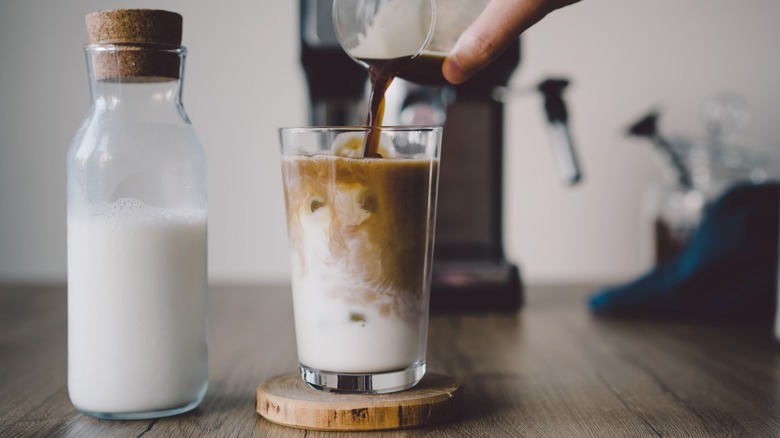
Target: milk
(136, 308)
(348, 337)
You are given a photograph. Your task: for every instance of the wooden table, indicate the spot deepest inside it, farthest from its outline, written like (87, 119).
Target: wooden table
(550, 370)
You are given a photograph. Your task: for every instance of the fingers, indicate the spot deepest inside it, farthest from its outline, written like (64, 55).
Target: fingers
(499, 24)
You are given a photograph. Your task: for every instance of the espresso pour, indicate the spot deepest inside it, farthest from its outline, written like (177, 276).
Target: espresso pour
(424, 69)
(470, 270)
(381, 73)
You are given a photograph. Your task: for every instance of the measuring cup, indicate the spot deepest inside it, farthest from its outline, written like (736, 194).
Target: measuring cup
(424, 31)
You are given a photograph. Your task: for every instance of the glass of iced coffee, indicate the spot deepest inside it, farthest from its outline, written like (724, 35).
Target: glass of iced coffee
(360, 230)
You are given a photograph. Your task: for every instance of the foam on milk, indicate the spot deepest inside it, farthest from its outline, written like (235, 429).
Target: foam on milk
(136, 308)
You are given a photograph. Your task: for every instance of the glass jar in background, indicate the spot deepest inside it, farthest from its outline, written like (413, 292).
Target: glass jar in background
(722, 157)
(136, 207)
(696, 172)
(673, 209)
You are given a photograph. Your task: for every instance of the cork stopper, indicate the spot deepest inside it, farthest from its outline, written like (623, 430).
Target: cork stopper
(146, 44)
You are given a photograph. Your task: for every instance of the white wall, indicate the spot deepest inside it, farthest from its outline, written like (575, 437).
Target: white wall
(243, 81)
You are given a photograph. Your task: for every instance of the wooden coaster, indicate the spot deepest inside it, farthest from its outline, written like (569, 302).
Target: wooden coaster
(288, 401)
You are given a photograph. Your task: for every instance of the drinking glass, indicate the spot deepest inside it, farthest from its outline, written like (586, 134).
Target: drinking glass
(360, 232)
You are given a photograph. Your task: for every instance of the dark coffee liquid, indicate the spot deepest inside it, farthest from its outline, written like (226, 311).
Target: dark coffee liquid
(425, 70)
(381, 73)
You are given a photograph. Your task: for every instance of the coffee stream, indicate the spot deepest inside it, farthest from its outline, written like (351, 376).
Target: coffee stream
(381, 73)
(424, 69)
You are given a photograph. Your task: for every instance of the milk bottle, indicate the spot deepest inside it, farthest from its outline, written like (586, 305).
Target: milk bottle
(136, 190)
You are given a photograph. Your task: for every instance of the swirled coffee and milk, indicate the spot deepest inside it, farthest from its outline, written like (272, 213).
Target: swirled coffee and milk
(361, 236)
(360, 220)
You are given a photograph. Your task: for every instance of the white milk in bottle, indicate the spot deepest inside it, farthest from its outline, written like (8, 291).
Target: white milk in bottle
(137, 214)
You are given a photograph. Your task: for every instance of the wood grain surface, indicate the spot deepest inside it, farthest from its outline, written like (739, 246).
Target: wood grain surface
(288, 401)
(551, 370)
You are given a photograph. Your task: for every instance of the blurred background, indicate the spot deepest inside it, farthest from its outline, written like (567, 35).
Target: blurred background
(243, 80)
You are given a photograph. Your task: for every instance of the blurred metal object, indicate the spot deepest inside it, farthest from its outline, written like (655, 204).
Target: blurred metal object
(557, 115)
(558, 120)
(647, 127)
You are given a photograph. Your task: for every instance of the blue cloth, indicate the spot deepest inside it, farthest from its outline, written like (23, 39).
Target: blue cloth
(727, 271)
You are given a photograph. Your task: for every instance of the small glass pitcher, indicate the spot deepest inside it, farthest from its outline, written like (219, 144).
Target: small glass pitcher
(425, 31)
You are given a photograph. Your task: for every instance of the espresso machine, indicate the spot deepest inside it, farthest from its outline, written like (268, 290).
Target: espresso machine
(470, 270)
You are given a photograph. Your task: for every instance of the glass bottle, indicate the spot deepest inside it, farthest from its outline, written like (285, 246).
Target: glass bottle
(136, 207)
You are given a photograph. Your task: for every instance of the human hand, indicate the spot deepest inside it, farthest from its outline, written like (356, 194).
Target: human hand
(499, 24)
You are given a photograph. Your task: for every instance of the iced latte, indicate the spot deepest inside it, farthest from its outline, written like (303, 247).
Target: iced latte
(361, 235)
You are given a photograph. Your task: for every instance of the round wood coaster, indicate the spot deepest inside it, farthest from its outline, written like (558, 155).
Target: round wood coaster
(288, 401)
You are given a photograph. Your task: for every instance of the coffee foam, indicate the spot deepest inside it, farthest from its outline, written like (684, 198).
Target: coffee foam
(351, 144)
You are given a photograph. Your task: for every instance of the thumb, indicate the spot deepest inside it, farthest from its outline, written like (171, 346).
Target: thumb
(496, 28)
